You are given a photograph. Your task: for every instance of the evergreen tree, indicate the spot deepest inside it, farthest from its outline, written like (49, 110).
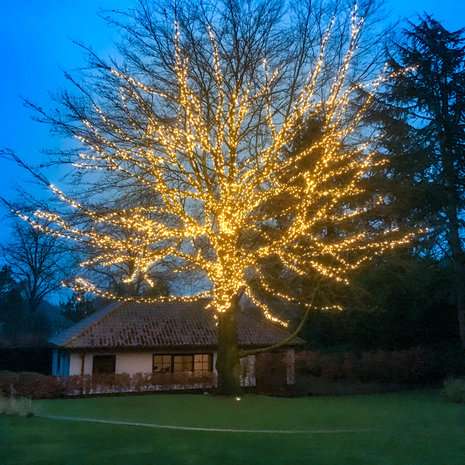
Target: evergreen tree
(423, 120)
(77, 307)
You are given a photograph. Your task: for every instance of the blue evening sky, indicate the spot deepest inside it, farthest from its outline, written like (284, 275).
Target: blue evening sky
(36, 44)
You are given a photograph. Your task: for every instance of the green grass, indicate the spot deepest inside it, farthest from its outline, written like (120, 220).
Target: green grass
(415, 428)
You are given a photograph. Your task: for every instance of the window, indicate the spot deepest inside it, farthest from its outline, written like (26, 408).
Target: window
(103, 364)
(162, 363)
(180, 363)
(183, 363)
(203, 363)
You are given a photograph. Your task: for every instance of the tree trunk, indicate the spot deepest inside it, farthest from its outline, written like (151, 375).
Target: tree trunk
(227, 363)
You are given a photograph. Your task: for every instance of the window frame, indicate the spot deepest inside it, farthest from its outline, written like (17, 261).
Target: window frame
(102, 356)
(183, 354)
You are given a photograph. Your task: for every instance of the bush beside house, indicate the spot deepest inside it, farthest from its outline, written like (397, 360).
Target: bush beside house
(454, 388)
(38, 386)
(321, 373)
(316, 374)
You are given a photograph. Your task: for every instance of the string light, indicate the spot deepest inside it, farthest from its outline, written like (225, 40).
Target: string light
(233, 191)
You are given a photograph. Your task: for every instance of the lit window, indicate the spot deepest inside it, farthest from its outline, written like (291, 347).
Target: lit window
(162, 363)
(181, 363)
(202, 362)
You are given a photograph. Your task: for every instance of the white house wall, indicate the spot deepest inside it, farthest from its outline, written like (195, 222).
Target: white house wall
(75, 363)
(247, 374)
(126, 362)
(290, 366)
(132, 363)
(142, 362)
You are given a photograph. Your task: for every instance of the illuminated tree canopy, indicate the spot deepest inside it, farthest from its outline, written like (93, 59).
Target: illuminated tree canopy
(207, 138)
(200, 116)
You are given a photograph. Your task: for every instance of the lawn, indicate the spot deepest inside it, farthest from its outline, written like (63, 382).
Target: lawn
(415, 428)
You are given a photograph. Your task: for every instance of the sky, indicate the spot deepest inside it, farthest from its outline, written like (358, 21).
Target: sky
(36, 45)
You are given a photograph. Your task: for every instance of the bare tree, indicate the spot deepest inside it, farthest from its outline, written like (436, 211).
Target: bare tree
(199, 114)
(37, 261)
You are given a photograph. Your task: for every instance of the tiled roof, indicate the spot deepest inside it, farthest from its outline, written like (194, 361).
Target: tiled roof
(174, 324)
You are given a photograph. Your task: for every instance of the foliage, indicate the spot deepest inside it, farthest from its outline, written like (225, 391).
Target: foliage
(18, 326)
(37, 357)
(139, 382)
(422, 123)
(271, 374)
(38, 386)
(397, 302)
(362, 372)
(454, 389)
(11, 302)
(77, 307)
(414, 366)
(422, 119)
(30, 385)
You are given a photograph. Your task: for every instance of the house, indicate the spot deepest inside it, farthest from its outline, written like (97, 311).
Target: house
(173, 337)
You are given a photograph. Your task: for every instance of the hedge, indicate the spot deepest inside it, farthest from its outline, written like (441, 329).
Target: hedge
(37, 386)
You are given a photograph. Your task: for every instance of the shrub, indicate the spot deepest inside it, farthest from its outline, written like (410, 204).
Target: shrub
(270, 372)
(454, 389)
(413, 366)
(8, 380)
(37, 386)
(33, 385)
(141, 381)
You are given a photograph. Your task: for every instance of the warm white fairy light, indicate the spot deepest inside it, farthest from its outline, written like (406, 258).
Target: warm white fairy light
(232, 190)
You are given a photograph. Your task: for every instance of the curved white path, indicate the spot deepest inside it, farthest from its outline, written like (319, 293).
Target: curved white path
(213, 430)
